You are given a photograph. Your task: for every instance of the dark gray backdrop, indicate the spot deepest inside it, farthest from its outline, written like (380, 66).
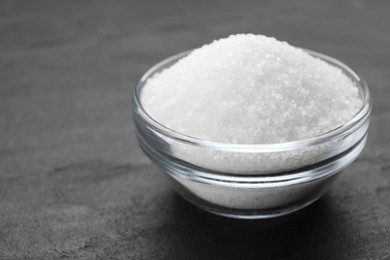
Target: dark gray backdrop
(73, 183)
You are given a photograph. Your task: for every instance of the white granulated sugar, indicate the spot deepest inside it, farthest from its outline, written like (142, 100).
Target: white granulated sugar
(251, 89)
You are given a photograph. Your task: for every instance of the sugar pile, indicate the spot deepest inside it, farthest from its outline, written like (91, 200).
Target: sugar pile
(251, 89)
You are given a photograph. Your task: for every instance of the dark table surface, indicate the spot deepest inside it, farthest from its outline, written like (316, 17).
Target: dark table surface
(75, 185)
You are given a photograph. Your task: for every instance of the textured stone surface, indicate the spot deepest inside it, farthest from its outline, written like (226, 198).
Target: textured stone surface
(73, 183)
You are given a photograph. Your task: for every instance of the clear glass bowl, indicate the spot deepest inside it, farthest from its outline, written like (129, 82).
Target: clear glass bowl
(251, 180)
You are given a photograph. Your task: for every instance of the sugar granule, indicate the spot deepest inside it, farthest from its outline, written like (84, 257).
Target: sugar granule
(251, 89)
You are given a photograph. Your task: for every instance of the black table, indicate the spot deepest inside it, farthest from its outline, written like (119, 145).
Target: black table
(75, 185)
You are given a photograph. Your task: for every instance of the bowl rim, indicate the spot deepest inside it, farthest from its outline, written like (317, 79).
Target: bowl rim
(351, 126)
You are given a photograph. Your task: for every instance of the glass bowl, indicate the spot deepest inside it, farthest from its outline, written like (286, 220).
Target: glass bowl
(251, 180)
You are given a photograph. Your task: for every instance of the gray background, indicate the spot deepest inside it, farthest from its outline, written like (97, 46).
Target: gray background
(75, 185)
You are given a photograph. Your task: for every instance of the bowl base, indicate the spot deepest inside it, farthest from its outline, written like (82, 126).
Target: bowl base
(257, 214)
(248, 197)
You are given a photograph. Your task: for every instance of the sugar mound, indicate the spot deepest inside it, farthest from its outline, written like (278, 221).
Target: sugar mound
(251, 89)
